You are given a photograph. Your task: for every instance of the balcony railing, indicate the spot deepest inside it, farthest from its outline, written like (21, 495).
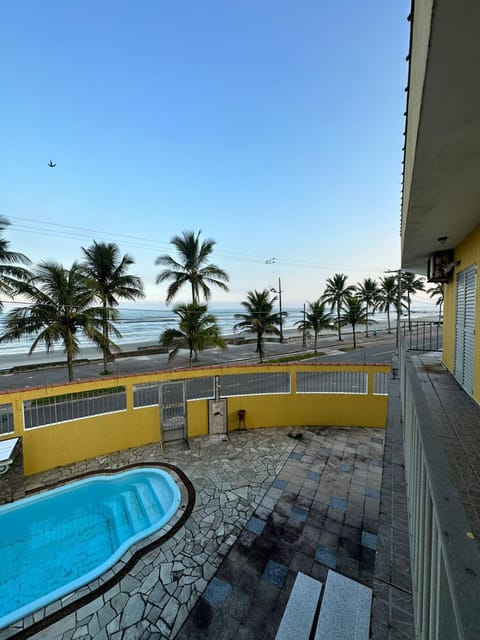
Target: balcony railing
(420, 335)
(444, 555)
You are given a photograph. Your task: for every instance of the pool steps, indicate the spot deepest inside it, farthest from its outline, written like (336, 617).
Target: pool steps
(136, 509)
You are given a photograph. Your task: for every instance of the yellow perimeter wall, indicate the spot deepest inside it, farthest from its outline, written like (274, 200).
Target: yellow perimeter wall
(468, 252)
(66, 442)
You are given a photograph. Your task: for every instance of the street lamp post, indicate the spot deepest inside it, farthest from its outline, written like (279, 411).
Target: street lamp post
(280, 303)
(399, 306)
(304, 336)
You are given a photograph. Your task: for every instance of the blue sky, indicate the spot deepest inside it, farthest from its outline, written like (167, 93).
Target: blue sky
(275, 127)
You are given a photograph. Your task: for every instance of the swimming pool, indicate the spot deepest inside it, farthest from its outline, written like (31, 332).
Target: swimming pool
(59, 540)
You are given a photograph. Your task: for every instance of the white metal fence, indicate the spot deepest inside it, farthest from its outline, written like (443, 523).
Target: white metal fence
(72, 406)
(445, 558)
(146, 394)
(381, 382)
(332, 382)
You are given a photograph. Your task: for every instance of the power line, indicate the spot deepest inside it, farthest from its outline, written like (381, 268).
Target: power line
(74, 232)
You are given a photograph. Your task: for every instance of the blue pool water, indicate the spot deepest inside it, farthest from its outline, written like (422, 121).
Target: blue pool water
(59, 540)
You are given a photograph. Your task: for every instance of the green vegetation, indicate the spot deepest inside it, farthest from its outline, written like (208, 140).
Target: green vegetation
(437, 292)
(197, 330)
(11, 274)
(410, 285)
(388, 296)
(60, 308)
(353, 314)
(191, 267)
(369, 293)
(296, 358)
(106, 274)
(61, 303)
(259, 318)
(336, 294)
(316, 319)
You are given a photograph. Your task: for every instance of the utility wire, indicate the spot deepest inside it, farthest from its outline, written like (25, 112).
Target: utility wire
(74, 232)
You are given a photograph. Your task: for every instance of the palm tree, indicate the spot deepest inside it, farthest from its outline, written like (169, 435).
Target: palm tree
(106, 273)
(368, 292)
(316, 319)
(259, 317)
(410, 285)
(388, 296)
(60, 310)
(191, 267)
(353, 313)
(10, 271)
(437, 292)
(336, 293)
(196, 331)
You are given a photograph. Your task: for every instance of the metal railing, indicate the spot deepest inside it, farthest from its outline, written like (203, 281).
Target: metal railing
(332, 382)
(419, 335)
(146, 394)
(72, 406)
(444, 556)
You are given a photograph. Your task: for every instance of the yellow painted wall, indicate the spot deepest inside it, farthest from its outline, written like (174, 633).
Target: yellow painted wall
(468, 252)
(60, 444)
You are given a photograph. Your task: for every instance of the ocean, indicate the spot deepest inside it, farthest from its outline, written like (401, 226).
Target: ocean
(139, 326)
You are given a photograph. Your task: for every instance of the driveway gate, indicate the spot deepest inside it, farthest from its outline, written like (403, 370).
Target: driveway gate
(173, 412)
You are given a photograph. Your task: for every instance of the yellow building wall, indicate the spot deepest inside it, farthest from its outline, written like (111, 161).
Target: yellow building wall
(468, 252)
(63, 443)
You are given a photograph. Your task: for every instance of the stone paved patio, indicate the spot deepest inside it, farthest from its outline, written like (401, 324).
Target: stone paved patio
(320, 512)
(273, 504)
(154, 599)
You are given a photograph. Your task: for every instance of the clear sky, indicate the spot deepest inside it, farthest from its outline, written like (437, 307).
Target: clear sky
(274, 126)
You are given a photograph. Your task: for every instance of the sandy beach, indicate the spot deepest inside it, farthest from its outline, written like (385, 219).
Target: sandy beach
(40, 358)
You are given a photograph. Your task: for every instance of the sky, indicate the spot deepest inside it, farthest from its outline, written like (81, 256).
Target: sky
(275, 127)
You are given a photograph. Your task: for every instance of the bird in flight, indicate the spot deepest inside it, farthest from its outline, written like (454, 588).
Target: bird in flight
(52, 164)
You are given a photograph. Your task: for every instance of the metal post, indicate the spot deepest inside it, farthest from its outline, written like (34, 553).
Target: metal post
(304, 341)
(399, 306)
(399, 312)
(280, 302)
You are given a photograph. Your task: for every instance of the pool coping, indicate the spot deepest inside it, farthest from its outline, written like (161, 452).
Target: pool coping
(124, 566)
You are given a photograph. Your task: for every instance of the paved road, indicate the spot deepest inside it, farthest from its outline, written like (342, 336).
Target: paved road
(377, 349)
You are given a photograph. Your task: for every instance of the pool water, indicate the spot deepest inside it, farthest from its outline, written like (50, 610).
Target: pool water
(59, 540)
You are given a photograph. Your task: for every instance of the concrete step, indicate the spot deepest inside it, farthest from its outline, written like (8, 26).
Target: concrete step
(299, 614)
(345, 611)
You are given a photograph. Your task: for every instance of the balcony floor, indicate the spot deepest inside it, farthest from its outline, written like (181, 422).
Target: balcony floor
(457, 424)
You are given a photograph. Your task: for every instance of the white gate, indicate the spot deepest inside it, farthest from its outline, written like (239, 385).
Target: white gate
(465, 327)
(173, 414)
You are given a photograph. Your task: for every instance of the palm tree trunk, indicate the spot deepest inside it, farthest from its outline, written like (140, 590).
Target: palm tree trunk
(388, 318)
(366, 321)
(338, 321)
(70, 365)
(260, 346)
(316, 338)
(105, 335)
(354, 337)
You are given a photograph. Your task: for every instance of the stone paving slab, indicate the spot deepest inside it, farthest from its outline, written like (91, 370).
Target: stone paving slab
(304, 524)
(345, 611)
